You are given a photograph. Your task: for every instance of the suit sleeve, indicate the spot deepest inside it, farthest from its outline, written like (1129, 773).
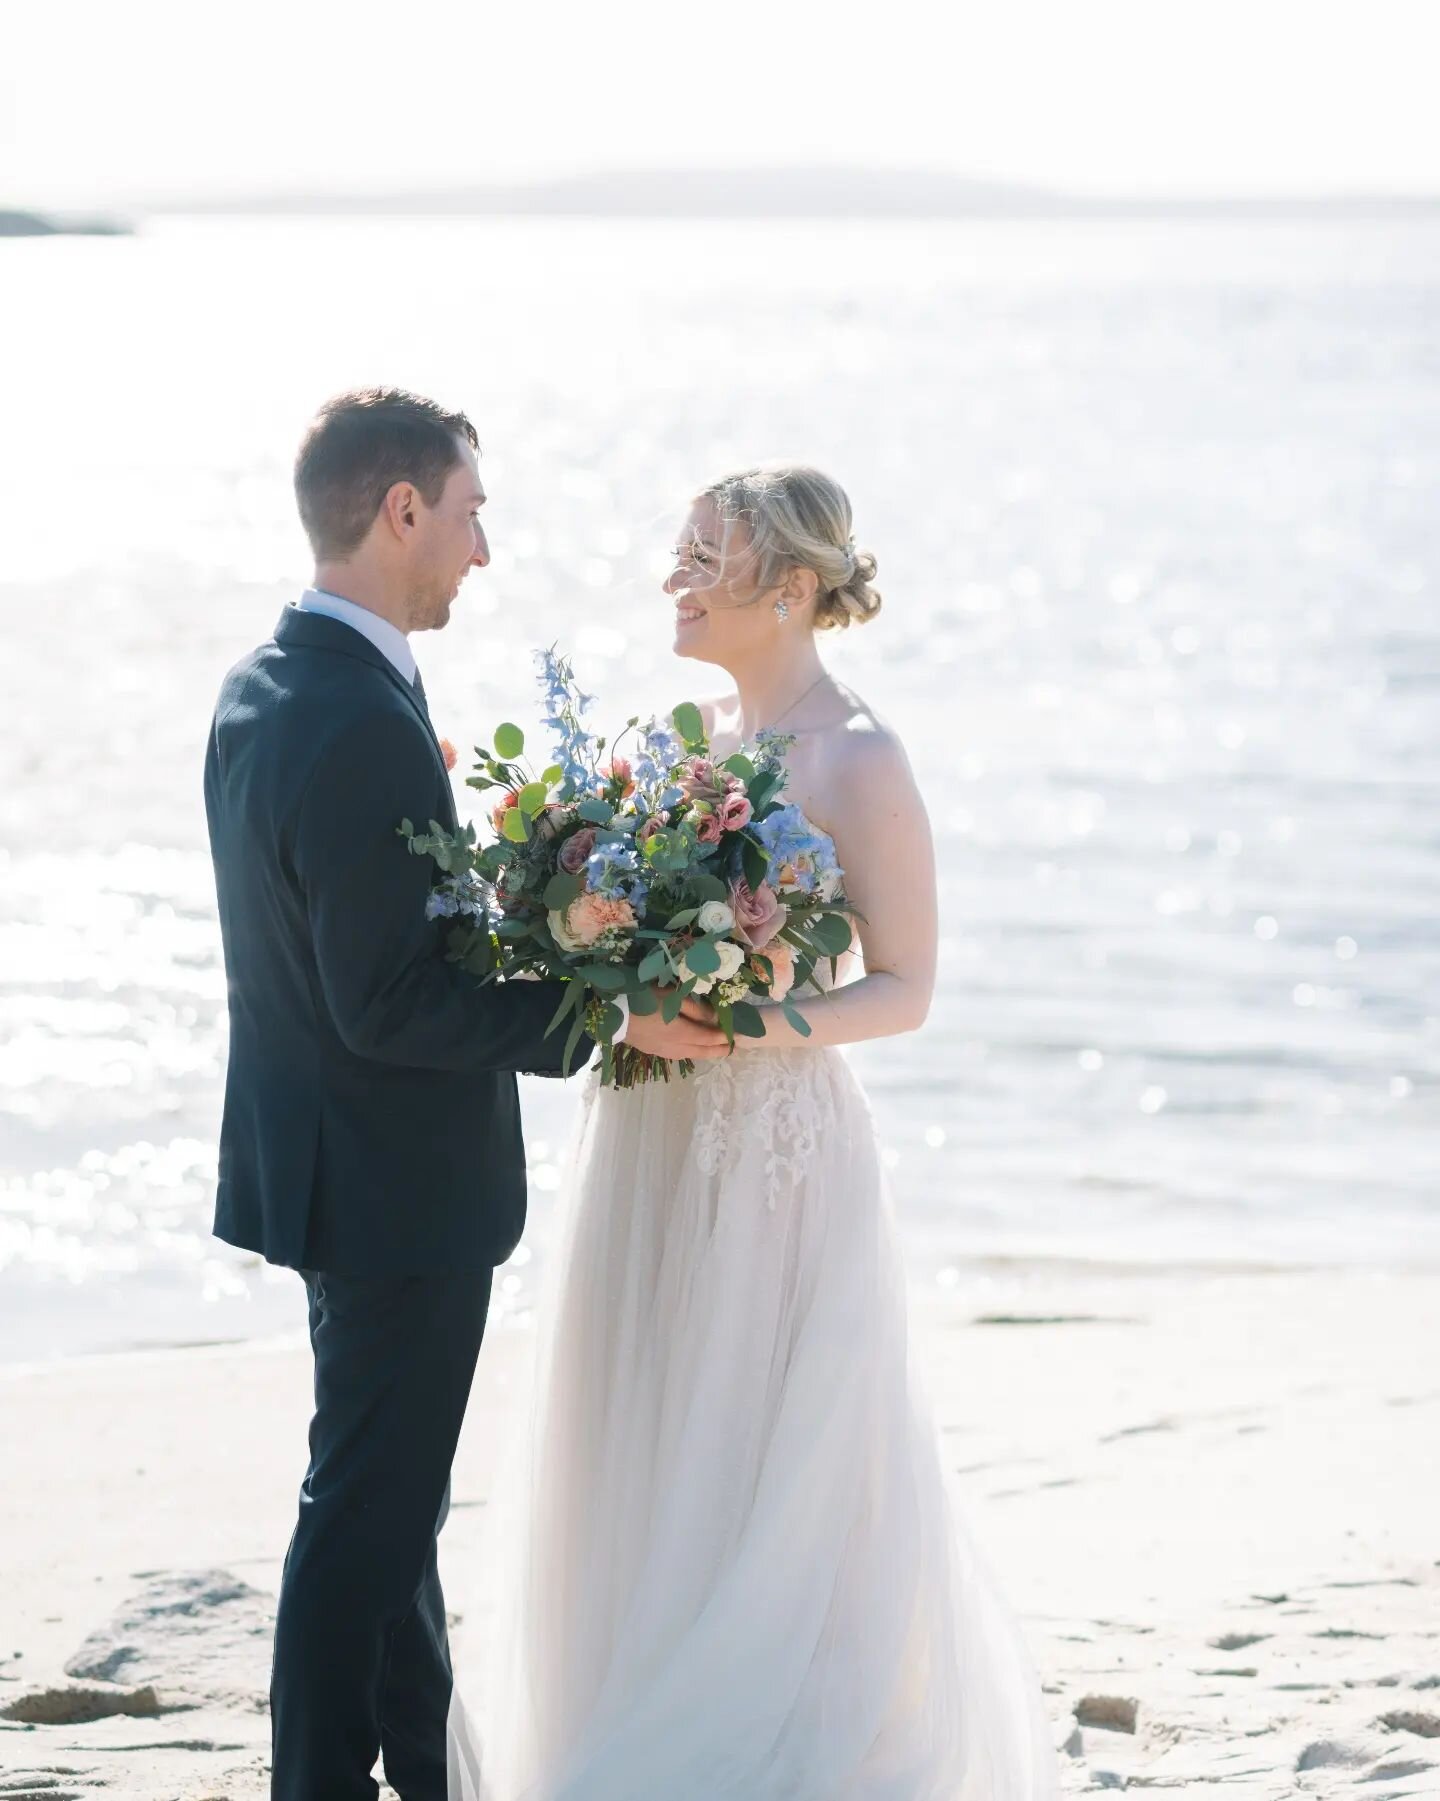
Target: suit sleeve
(392, 995)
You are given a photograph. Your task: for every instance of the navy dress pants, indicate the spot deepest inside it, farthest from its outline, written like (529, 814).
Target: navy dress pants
(362, 1658)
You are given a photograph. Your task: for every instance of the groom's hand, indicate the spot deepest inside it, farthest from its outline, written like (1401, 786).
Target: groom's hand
(689, 1036)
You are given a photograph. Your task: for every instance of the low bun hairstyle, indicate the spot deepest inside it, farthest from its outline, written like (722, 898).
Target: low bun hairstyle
(798, 517)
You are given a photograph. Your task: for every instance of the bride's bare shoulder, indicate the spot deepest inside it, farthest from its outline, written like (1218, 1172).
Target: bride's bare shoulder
(862, 742)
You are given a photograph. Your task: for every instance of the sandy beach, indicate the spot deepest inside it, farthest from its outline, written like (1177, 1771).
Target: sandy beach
(1211, 1496)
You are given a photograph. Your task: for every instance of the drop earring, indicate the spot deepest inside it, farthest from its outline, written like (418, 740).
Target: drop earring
(782, 611)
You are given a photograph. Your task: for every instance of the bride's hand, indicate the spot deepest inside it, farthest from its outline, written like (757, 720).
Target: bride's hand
(692, 1007)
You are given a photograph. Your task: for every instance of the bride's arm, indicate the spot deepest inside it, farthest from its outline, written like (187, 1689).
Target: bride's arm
(882, 838)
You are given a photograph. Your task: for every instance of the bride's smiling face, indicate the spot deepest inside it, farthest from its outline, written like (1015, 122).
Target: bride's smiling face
(719, 612)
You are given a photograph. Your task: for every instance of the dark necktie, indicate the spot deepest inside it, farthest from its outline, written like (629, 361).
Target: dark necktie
(419, 688)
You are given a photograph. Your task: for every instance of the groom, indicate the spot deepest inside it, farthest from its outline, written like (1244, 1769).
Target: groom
(371, 1135)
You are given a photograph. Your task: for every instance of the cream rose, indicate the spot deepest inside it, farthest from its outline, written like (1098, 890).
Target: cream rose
(715, 916)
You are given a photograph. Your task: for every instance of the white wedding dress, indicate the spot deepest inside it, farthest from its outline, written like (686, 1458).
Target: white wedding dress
(730, 1566)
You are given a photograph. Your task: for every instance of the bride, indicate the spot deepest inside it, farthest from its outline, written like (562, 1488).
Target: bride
(732, 1567)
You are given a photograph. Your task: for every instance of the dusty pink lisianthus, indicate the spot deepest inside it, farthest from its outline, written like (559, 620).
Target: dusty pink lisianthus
(575, 852)
(782, 962)
(735, 812)
(758, 912)
(700, 780)
(708, 828)
(589, 918)
(655, 823)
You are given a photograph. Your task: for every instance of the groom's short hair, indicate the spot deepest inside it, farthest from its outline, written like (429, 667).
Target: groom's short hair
(359, 445)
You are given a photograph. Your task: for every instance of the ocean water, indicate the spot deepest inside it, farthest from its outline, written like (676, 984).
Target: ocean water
(1155, 512)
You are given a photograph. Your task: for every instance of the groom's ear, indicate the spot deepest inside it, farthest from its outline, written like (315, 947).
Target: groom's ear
(399, 508)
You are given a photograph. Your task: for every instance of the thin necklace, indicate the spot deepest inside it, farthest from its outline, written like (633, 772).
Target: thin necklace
(823, 676)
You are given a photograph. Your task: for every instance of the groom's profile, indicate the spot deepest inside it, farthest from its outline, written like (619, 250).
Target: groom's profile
(371, 1133)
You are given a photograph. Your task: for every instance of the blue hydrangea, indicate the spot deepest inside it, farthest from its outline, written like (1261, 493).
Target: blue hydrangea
(789, 837)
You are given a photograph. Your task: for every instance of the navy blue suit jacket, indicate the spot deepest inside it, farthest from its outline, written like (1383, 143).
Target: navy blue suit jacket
(371, 1122)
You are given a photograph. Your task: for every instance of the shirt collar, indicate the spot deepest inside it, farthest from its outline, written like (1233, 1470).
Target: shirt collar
(388, 639)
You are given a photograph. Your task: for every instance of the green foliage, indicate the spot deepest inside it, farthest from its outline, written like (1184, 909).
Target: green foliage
(691, 727)
(552, 775)
(596, 812)
(755, 861)
(831, 933)
(561, 889)
(509, 740)
(703, 959)
(796, 1017)
(747, 1020)
(531, 798)
(740, 765)
(515, 826)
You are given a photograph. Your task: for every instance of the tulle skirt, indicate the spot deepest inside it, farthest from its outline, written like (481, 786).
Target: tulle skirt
(729, 1565)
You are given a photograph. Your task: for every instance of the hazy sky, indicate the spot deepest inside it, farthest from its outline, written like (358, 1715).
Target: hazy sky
(104, 102)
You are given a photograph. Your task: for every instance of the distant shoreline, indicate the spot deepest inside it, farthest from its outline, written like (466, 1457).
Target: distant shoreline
(800, 193)
(43, 225)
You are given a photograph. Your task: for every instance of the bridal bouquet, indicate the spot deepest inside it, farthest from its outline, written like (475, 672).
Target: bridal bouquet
(658, 870)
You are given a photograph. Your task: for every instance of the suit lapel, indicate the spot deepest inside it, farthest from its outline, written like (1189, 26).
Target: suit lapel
(318, 632)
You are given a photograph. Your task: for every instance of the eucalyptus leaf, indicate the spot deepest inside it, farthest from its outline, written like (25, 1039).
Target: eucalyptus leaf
(740, 765)
(561, 889)
(755, 862)
(747, 1020)
(679, 922)
(509, 740)
(831, 933)
(515, 826)
(703, 959)
(708, 887)
(531, 798)
(608, 976)
(654, 964)
(553, 775)
(796, 1018)
(611, 1020)
(670, 1006)
(644, 1002)
(687, 721)
(596, 812)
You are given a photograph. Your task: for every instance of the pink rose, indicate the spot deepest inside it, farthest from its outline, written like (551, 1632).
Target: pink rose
(782, 962)
(707, 827)
(758, 913)
(735, 812)
(575, 852)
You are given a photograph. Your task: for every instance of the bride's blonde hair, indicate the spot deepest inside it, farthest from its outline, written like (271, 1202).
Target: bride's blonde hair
(798, 516)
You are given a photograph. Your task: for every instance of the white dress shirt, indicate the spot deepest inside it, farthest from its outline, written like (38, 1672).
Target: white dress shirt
(394, 646)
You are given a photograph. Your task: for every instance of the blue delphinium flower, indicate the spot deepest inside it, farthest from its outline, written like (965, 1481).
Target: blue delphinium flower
(659, 751)
(614, 868)
(575, 752)
(790, 839)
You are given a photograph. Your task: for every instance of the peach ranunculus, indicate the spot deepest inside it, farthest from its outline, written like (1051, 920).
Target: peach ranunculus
(708, 828)
(759, 913)
(449, 753)
(735, 812)
(575, 851)
(591, 919)
(782, 961)
(502, 807)
(621, 772)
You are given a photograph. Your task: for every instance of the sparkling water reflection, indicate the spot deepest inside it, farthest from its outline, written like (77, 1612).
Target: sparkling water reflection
(1154, 518)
